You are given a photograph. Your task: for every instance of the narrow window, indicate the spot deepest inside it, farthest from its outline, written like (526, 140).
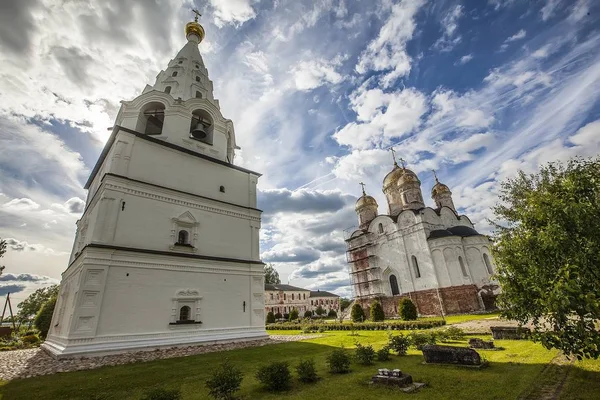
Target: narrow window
(174, 73)
(284, 296)
(182, 237)
(184, 313)
(197, 79)
(197, 66)
(488, 264)
(180, 62)
(416, 267)
(462, 267)
(380, 228)
(168, 89)
(394, 285)
(222, 189)
(303, 296)
(292, 296)
(198, 94)
(271, 296)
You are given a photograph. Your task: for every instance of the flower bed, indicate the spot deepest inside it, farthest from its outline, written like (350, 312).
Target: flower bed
(360, 326)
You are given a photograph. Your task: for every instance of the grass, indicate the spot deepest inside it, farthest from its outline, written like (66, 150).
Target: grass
(510, 373)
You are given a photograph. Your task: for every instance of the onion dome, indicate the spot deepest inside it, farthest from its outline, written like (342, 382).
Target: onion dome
(365, 201)
(392, 177)
(194, 28)
(439, 188)
(408, 177)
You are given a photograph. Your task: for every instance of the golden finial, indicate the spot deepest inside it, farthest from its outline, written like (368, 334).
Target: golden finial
(363, 188)
(194, 27)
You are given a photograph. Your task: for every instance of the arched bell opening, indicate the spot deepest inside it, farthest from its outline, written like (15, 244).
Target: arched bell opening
(151, 119)
(201, 127)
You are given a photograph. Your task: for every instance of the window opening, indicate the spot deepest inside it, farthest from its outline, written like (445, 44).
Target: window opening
(174, 73)
(222, 189)
(394, 285)
(198, 94)
(380, 228)
(184, 313)
(488, 264)
(416, 267)
(168, 89)
(197, 79)
(462, 266)
(183, 237)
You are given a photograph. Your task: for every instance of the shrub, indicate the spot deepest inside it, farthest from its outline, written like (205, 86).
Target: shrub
(320, 311)
(399, 344)
(407, 310)
(338, 361)
(224, 381)
(278, 316)
(163, 394)
(370, 326)
(270, 317)
(364, 355)
(420, 339)
(332, 314)
(321, 329)
(293, 314)
(44, 317)
(275, 376)
(454, 333)
(306, 371)
(377, 312)
(357, 314)
(383, 354)
(30, 339)
(307, 314)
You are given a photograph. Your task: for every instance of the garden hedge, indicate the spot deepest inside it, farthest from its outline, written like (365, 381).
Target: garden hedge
(359, 326)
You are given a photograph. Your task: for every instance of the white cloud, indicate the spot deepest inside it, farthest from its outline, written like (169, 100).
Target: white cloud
(23, 204)
(517, 36)
(387, 52)
(232, 11)
(308, 75)
(579, 11)
(465, 59)
(449, 26)
(549, 8)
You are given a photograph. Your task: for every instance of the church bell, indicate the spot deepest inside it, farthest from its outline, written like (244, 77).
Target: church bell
(200, 131)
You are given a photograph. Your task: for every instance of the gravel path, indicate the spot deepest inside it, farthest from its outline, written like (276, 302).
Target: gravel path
(483, 325)
(18, 364)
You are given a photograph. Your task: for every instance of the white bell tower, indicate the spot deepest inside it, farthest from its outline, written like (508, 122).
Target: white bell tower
(167, 249)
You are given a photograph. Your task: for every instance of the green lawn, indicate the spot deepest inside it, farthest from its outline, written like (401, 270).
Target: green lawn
(511, 372)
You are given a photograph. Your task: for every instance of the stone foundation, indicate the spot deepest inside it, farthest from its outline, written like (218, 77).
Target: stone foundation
(449, 300)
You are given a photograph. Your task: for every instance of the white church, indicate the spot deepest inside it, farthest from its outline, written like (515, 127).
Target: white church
(167, 250)
(433, 256)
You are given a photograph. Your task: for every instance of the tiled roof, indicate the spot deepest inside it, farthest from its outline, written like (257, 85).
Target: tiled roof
(281, 286)
(322, 293)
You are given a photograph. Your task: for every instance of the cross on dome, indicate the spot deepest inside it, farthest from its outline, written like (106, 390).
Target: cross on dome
(197, 14)
(393, 155)
(363, 188)
(435, 175)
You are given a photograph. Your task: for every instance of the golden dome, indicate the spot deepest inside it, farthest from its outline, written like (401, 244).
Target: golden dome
(439, 188)
(391, 178)
(196, 28)
(365, 201)
(408, 177)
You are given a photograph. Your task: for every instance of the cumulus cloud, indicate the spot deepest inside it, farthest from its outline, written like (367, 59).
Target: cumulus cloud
(517, 36)
(21, 245)
(302, 201)
(308, 75)
(74, 205)
(449, 23)
(321, 267)
(23, 204)
(387, 52)
(15, 283)
(232, 11)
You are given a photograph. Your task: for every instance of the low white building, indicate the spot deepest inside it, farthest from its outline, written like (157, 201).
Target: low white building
(433, 256)
(281, 298)
(167, 250)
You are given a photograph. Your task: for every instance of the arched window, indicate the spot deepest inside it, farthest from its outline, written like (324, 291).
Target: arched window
(394, 285)
(303, 296)
(151, 119)
(292, 296)
(416, 267)
(180, 62)
(198, 94)
(182, 237)
(197, 79)
(222, 189)
(168, 89)
(184, 313)
(284, 296)
(488, 264)
(462, 267)
(380, 228)
(174, 73)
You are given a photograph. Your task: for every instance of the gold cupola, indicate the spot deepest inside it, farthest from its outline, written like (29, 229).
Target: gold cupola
(194, 28)
(441, 195)
(366, 208)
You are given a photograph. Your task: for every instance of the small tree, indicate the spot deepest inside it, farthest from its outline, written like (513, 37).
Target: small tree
(224, 381)
(332, 314)
(320, 311)
(339, 361)
(364, 355)
(357, 314)
(278, 316)
(270, 317)
(407, 310)
(275, 376)
(32, 305)
(547, 251)
(344, 303)
(44, 318)
(306, 371)
(271, 275)
(307, 314)
(293, 314)
(377, 312)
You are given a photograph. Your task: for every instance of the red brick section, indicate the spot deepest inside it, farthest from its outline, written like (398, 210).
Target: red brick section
(454, 300)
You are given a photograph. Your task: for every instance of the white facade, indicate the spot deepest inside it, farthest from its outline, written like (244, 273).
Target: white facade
(281, 298)
(167, 250)
(433, 256)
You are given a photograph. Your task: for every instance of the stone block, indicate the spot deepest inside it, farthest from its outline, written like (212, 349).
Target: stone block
(450, 355)
(476, 343)
(510, 332)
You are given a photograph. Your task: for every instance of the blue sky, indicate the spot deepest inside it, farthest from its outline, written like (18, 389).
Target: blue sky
(318, 91)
